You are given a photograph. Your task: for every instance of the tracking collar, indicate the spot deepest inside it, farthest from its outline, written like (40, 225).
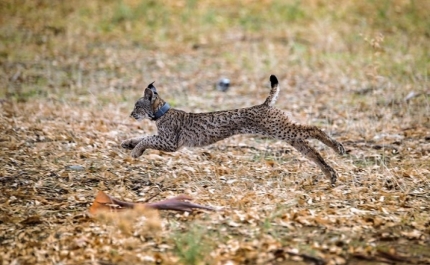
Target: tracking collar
(161, 111)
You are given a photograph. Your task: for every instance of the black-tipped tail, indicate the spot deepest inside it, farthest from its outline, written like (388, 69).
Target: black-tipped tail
(274, 91)
(273, 81)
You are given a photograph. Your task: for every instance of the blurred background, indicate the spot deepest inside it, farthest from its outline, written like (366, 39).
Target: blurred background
(50, 49)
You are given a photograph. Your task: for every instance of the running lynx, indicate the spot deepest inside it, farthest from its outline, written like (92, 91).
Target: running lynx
(177, 128)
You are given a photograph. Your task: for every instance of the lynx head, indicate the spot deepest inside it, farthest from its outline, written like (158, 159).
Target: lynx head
(150, 106)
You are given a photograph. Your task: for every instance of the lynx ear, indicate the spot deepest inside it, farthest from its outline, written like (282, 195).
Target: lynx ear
(149, 94)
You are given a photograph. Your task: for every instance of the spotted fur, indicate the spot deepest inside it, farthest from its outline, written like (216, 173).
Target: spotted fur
(177, 128)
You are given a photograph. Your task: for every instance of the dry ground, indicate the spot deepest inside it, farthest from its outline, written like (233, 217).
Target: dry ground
(71, 72)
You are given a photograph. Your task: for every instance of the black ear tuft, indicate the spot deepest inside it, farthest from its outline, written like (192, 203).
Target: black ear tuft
(152, 87)
(273, 81)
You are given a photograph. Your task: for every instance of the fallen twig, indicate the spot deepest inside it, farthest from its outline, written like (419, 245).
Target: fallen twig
(104, 202)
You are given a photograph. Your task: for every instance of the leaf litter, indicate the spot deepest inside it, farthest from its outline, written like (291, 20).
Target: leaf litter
(273, 211)
(59, 146)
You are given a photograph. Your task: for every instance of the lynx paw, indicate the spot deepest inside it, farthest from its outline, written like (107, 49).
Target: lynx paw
(330, 173)
(333, 178)
(137, 152)
(129, 144)
(340, 148)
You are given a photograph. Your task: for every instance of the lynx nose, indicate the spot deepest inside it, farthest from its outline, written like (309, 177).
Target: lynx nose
(133, 115)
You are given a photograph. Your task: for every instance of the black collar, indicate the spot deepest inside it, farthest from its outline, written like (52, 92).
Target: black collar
(161, 111)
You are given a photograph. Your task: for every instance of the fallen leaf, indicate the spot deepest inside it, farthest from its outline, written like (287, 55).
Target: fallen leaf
(104, 202)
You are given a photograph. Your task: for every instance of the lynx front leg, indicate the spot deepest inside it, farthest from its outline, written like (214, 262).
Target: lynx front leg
(131, 143)
(312, 154)
(153, 142)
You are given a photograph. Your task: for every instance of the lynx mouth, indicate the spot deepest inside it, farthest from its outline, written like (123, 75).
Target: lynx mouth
(136, 117)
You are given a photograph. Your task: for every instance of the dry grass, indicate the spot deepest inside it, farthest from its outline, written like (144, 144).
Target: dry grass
(70, 74)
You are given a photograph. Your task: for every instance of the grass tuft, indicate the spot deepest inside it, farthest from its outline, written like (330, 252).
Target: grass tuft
(193, 246)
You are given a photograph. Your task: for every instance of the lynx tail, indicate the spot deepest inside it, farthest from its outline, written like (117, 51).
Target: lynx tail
(274, 92)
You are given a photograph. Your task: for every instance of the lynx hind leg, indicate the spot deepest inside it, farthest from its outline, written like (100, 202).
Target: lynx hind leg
(131, 143)
(312, 154)
(316, 133)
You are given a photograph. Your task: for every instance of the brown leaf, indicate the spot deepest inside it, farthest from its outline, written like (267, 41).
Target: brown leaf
(414, 234)
(391, 254)
(104, 202)
(32, 220)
